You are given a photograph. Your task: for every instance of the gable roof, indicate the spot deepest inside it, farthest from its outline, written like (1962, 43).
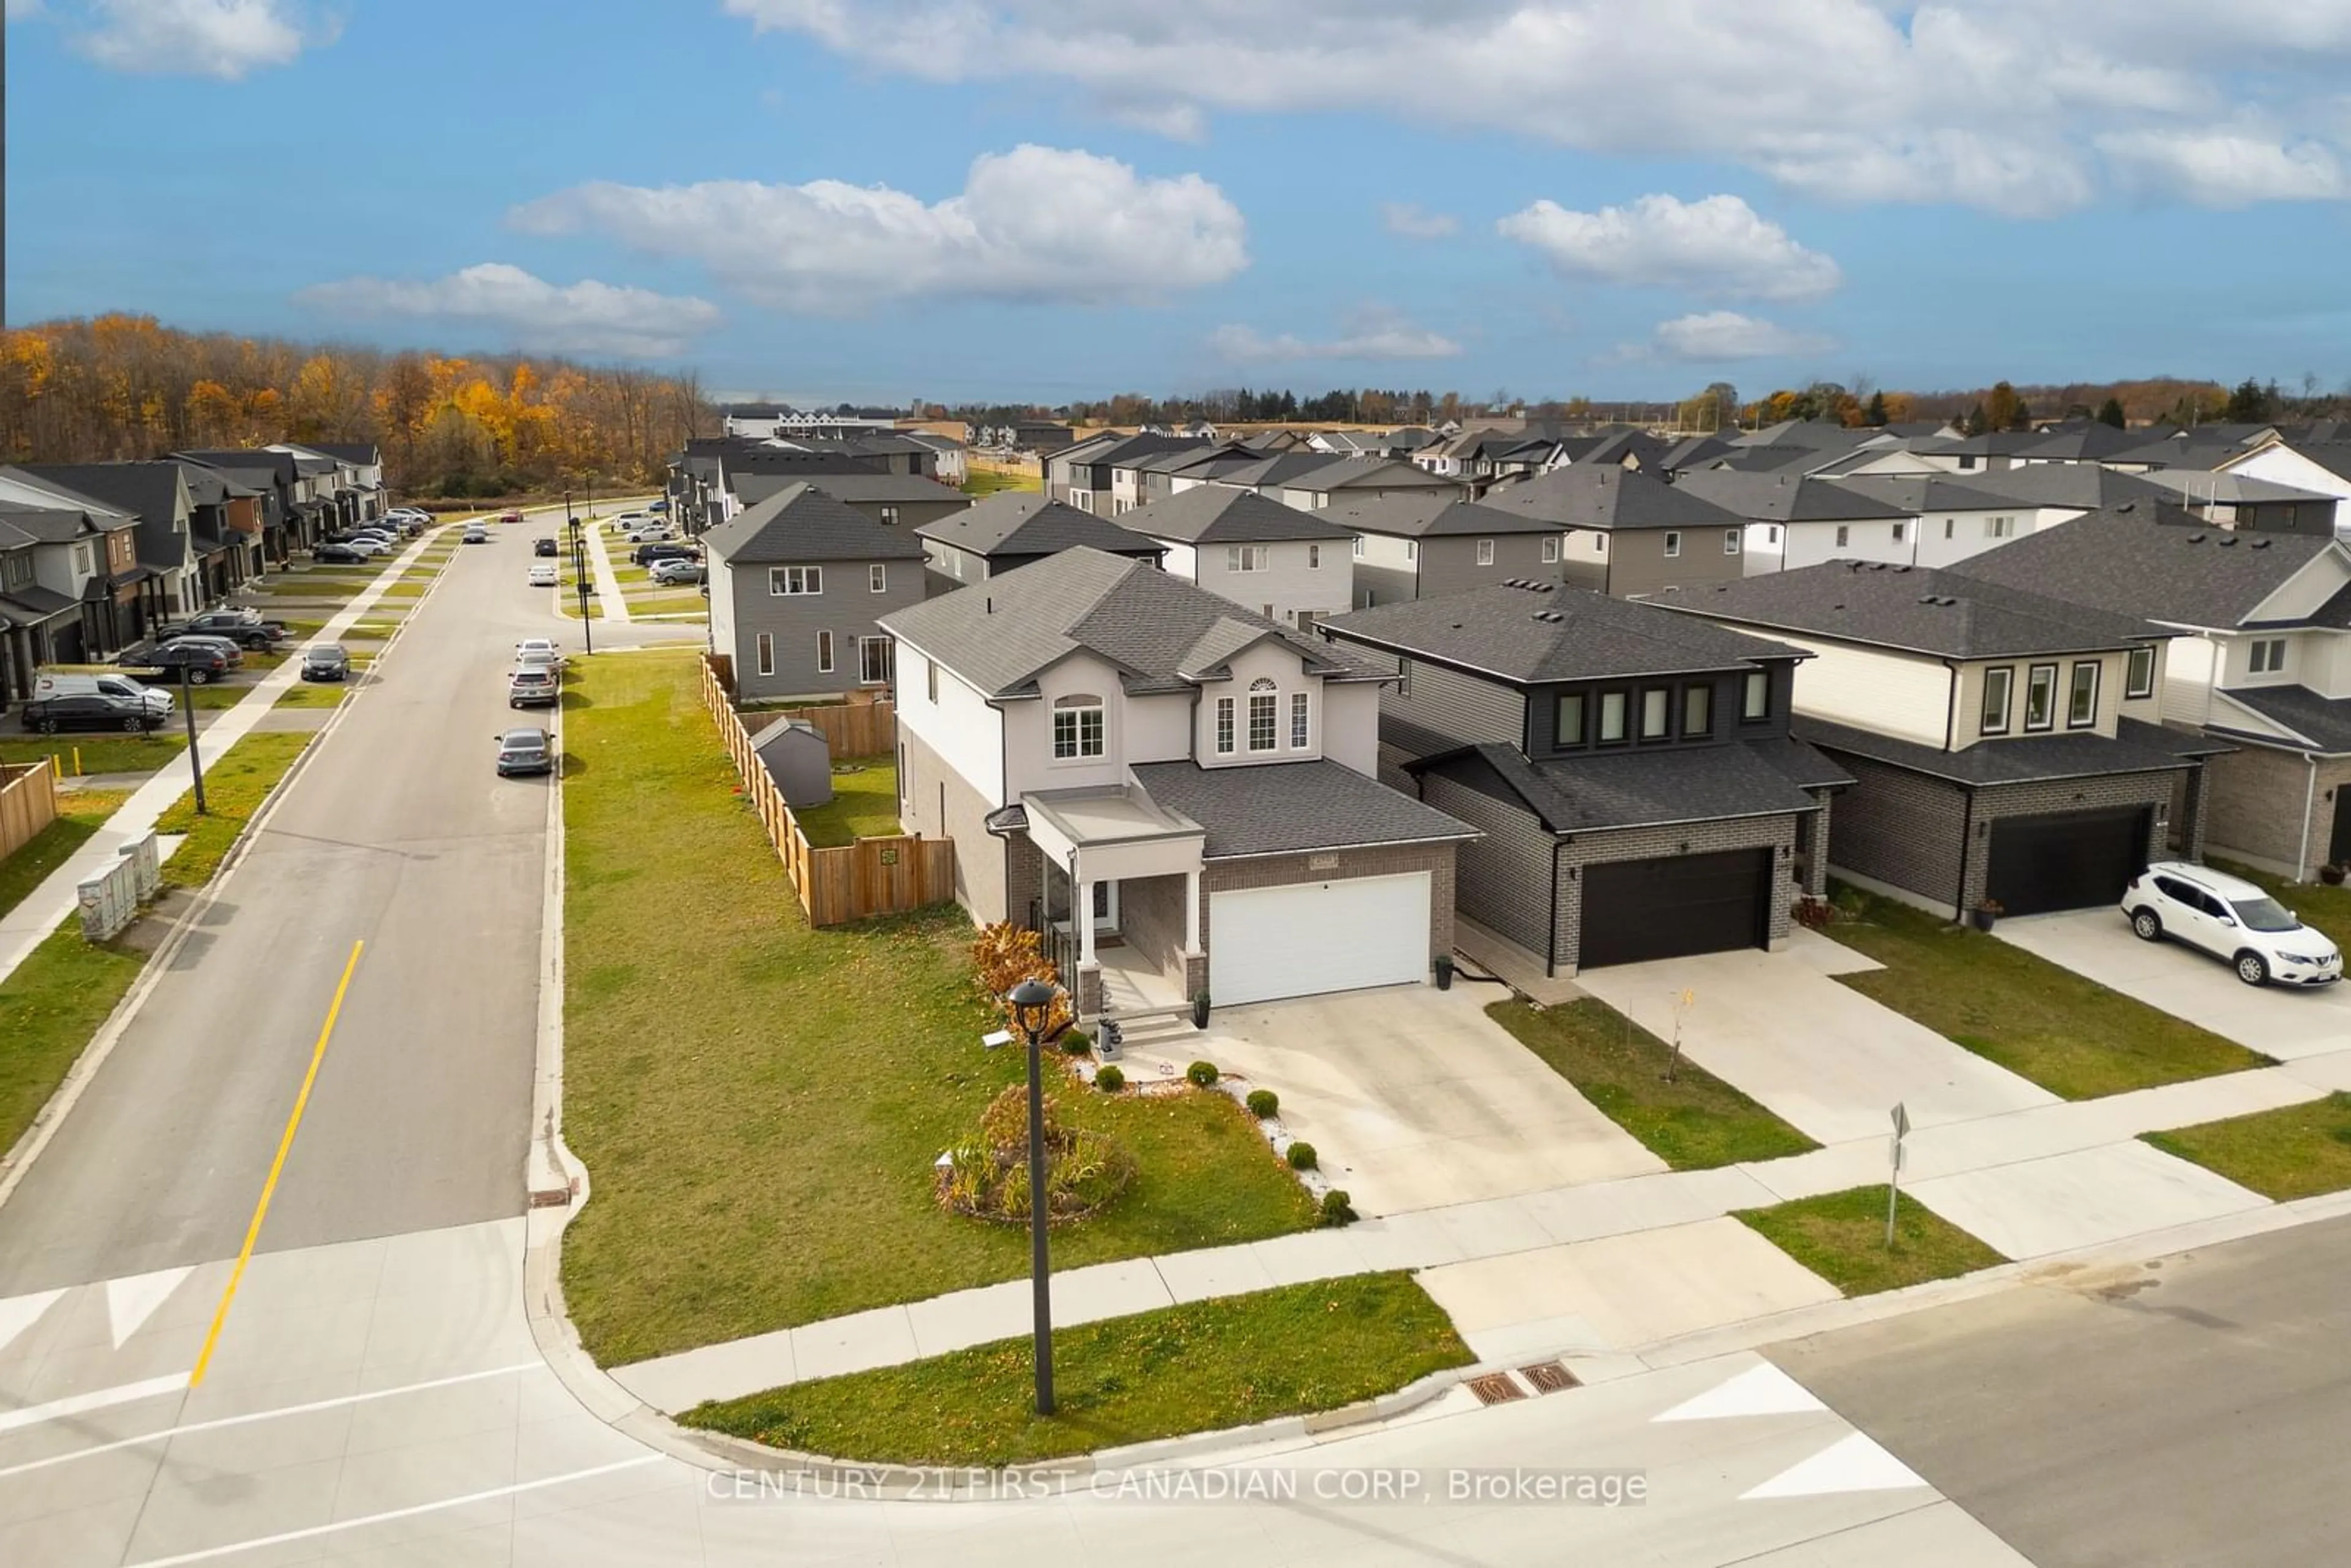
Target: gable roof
(2083, 484)
(805, 524)
(363, 454)
(1292, 807)
(872, 488)
(1026, 522)
(148, 490)
(1920, 493)
(1605, 496)
(44, 524)
(2150, 560)
(1782, 497)
(2084, 443)
(1549, 631)
(1430, 515)
(1162, 633)
(1649, 789)
(1916, 608)
(1216, 514)
(2335, 456)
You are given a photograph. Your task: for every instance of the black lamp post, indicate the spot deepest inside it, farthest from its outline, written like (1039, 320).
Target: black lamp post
(580, 580)
(1032, 1003)
(195, 760)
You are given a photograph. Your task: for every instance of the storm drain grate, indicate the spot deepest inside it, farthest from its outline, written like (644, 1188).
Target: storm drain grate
(1549, 1377)
(1495, 1388)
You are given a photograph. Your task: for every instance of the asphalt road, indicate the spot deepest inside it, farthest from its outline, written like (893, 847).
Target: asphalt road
(2196, 1410)
(395, 832)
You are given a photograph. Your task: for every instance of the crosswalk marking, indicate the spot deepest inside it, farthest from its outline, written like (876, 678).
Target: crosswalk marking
(95, 1399)
(20, 1312)
(1762, 1390)
(131, 1301)
(1852, 1463)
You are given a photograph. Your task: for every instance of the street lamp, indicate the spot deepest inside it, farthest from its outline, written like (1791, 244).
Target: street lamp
(1032, 1005)
(579, 581)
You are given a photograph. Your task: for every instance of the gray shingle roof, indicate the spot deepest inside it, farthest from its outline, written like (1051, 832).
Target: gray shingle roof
(45, 525)
(1162, 633)
(2325, 722)
(148, 490)
(1217, 514)
(2039, 758)
(871, 488)
(2083, 484)
(1781, 497)
(1498, 630)
(1918, 493)
(2151, 560)
(1432, 515)
(2084, 443)
(1645, 788)
(1289, 808)
(805, 523)
(1024, 522)
(1605, 496)
(1917, 609)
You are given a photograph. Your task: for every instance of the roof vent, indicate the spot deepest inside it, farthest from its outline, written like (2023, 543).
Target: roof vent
(1545, 586)
(1927, 599)
(2128, 507)
(2261, 544)
(2196, 539)
(2226, 541)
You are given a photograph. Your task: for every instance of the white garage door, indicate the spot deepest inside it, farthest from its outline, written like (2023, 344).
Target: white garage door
(1317, 937)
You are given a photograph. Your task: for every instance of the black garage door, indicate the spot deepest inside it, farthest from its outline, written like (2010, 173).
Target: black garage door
(1634, 910)
(2076, 861)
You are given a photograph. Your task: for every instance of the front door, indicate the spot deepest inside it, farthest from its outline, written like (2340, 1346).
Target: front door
(2338, 842)
(1105, 906)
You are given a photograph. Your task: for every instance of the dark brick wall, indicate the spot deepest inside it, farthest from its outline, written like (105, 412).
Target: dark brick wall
(1150, 917)
(2256, 811)
(1504, 880)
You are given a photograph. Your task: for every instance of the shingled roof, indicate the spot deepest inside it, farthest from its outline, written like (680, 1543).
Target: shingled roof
(1917, 609)
(1026, 523)
(2143, 558)
(805, 523)
(1605, 496)
(1218, 514)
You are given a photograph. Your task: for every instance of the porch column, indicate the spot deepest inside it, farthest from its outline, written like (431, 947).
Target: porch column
(1082, 911)
(1192, 910)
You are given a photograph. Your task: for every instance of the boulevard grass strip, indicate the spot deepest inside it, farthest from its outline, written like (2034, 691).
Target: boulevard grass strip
(763, 1138)
(235, 785)
(1200, 1367)
(864, 804)
(1696, 1121)
(686, 602)
(2070, 1035)
(80, 813)
(1841, 1237)
(99, 753)
(2294, 1151)
(49, 1009)
(312, 695)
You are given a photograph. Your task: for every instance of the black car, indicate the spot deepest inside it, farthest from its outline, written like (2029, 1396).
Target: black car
(645, 555)
(243, 627)
(339, 555)
(542, 546)
(526, 751)
(203, 662)
(326, 662)
(96, 710)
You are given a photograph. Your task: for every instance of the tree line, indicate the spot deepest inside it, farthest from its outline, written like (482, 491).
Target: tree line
(121, 386)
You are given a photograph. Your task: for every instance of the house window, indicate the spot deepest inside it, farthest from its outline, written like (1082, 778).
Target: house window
(1224, 727)
(876, 660)
(931, 678)
(1899, 529)
(1967, 460)
(1697, 710)
(2040, 697)
(766, 654)
(1078, 728)
(1755, 697)
(1999, 527)
(1843, 534)
(1657, 713)
(877, 577)
(1551, 549)
(81, 560)
(1264, 709)
(1949, 524)
(1994, 719)
(1359, 547)
(1673, 543)
(795, 580)
(2141, 681)
(1571, 720)
(889, 517)
(1411, 550)
(2082, 703)
(1612, 718)
(1298, 712)
(1314, 558)
(1771, 535)
(824, 652)
(2269, 655)
(1404, 666)
(1731, 539)
(1246, 558)
(1485, 552)
(17, 570)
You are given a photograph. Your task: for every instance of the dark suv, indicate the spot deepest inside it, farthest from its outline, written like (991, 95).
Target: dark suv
(244, 627)
(95, 710)
(645, 555)
(542, 546)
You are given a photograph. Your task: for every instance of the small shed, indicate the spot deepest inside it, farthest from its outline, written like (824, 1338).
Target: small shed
(799, 759)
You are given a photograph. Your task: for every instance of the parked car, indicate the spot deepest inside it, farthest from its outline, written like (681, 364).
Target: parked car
(543, 547)
(627, 521)
(678, 571)
(539, 648)
(326, 662)
(339, 555)
(511, 515)
(476, 535)
(227, 647)
(91, 710)
(526, 751)
(645, 533)
(2232, 919)
(203, 662)
(542, 574)
(51, 683)
(662, 550)
(245, 628)
(662, 507)
(534, 685)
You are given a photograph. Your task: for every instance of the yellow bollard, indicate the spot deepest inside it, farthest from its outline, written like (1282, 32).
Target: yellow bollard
(77, 761)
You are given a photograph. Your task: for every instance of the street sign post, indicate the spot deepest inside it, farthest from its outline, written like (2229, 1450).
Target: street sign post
(1894, 1161)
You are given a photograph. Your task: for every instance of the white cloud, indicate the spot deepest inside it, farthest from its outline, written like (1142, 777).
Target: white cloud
(1414, 222)
(584, 318)
(1715, 337)
(1999, 104)
(1718, 245)
(1369, 334)
(2224, 167)
(1035, 224)
(18, 10)
(224, 38)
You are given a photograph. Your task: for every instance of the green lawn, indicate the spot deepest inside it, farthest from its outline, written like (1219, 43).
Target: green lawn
(684, 601)
(1694, 1122)
(988, 481)
(2070, 1035)
(312, 693)
(235, 784)
(761, 1139)
(2293, 1152)
(80, 813)
(99, 753)
(865, 805)
(1841, 1237)
(49, 1008)
(1201, 1368)
(2321, 908)
(405, 588)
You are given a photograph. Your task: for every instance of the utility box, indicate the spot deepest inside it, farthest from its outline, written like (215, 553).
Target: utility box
(109, 902)
(146, 862)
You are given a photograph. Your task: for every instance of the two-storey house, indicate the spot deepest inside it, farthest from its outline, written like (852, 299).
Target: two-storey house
(157, 493)
(1287, 565)
(798, 585)
(1626, 533)
(2004, 744)
(363, 461)
(1014, 528)
(1117, 752)
(2264, 663)
(1797, 520)
(85, 553)
(1426, 546)
(1631, 770)
(894, 500)
(2323, 468)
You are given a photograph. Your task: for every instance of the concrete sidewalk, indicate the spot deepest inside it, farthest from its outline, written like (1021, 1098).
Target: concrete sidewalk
(611, 604)
(51, 904)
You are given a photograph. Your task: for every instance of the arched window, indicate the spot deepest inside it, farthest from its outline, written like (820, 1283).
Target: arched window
(1077, 727)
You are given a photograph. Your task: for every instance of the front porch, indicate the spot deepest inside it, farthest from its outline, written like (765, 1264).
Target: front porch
(1119, 904)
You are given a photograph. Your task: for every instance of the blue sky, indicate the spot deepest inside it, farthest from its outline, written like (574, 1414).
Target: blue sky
(886, 199)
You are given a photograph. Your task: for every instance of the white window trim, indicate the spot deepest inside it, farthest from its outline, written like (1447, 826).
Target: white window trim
(863, 678)
(765, 645)
(1301, 721)
(1272, 701)
(781, 577)
(1485, 552)
(1732, 540)
(1226, 736)
(1549, 549)
(877, 577)
(1076, 710)
(824, 651)
(1673, 543)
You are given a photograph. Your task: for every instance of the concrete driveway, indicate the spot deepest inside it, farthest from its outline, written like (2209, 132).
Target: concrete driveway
(2187, 983)
(1413, 1098)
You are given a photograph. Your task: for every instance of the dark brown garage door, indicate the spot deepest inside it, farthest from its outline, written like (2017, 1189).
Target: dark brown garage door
(2075, 860)
(1634, 910)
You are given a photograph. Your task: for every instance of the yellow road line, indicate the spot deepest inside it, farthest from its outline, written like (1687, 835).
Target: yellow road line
(277, 1165)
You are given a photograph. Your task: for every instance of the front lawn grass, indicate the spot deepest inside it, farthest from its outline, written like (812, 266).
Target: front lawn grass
(49, 1008)
(864, 804)
(2294, 1151)
(80, 813)
(1694, 1122)
(1200, 1367)
(99, 753)
(235, 785)
(1841, 1237)
(988, 481)
(2070, 1035)
(760, 1104)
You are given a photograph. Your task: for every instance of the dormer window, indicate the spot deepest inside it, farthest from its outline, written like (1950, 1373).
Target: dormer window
(1078, 731)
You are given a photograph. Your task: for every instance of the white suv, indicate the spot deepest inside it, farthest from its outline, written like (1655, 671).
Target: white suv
(2232, 919)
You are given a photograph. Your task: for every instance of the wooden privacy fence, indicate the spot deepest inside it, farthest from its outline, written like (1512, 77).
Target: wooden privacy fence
(28, 802)
(851, 729)
(871, 877)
